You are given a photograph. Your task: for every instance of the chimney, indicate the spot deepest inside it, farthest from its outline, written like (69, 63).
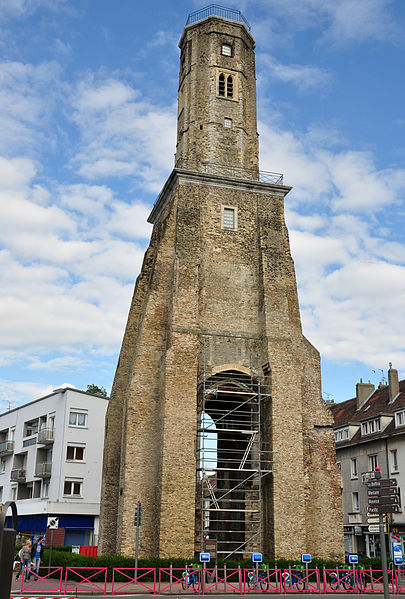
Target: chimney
(393, 383)
(363, 390)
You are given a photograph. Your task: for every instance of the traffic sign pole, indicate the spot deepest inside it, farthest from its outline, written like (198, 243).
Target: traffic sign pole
(384, 558)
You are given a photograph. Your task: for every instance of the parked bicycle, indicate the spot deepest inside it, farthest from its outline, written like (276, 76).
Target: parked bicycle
(343, 578)
(294, 577)
(258, 577)
(189, 578)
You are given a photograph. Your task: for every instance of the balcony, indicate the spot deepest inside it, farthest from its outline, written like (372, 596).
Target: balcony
(18, 475)
(45, 436)
(43, 469)
(6, 448)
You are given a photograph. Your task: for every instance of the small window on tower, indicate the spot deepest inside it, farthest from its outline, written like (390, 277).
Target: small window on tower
(226, 50)
(229, 218)
(221, 85)
(229, 87)
(227, 123)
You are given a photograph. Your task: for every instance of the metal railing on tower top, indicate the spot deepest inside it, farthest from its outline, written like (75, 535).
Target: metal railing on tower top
(211, 168)
(219, 11)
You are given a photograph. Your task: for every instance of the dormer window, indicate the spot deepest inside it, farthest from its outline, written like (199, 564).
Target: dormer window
(226, 50)
(372, 426)
(400, 418)
(342, 435)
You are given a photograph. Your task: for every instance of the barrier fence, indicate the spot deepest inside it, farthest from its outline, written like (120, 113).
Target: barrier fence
(166, 581)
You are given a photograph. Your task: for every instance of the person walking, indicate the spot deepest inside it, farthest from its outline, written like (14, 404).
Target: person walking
(25, 556)
(37, 554)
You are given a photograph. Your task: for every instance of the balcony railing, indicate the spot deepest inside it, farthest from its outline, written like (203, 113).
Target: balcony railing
(43, 469)
(18, 475)
(45, 436)
(220, 11)
(211, 168)
(6, 447)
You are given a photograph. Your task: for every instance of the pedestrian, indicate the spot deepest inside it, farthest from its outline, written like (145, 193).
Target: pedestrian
(25, 557)
(37, 554)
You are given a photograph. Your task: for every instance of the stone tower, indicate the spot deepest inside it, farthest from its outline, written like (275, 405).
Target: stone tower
(216, 421)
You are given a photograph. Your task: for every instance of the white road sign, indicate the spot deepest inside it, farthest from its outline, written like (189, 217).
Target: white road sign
(53, 522)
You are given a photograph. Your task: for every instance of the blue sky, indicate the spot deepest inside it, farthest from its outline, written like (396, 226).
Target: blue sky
(88, 92)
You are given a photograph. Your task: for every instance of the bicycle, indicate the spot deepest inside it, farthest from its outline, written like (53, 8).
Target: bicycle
(189, 577)
(345, 579)
(294, 577)
(258, 577)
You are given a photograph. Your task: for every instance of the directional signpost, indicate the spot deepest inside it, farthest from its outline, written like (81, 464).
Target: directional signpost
(383, 498)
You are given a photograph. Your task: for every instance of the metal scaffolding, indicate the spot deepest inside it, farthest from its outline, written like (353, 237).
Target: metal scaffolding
(233, 456)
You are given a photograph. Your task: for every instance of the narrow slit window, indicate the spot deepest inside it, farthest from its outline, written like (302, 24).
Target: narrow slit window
(229, 87)
(221, 85)
(228, 218)
(227, 123)
(226, 50)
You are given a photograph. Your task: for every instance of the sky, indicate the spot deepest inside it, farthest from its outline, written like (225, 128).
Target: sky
(88, 93)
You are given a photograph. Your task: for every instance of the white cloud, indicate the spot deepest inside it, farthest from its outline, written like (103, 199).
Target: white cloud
(304, 77)
(123, 135)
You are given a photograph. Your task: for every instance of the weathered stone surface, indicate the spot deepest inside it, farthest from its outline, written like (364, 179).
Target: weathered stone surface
(211, 299)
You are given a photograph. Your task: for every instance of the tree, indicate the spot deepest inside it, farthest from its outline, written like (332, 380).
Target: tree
(95, 390)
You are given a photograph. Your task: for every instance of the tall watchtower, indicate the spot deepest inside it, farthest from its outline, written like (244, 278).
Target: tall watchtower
(216, 420)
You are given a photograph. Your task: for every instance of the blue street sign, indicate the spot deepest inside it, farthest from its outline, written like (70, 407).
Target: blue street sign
(306, 558)
(398, 560)
(257, 557)
(353, 558)
(204, 557)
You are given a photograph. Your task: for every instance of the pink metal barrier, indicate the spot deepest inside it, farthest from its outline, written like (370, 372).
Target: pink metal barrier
(341, 580)
(371, 581)
(300, 580)
(267, 580)
(87, 585)
(231, 579)
(400, 581)
(41, 583)
(132, 583)
(180, 580)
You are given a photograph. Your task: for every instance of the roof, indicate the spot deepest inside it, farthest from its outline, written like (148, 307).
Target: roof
(378, 404)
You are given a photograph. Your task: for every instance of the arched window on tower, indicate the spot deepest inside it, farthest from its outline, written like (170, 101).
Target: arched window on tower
(229, 87)
(221, 85)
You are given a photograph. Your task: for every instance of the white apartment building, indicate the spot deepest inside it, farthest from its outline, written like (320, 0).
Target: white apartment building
(51, 455)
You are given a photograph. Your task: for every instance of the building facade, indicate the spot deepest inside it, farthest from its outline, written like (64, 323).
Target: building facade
(50, 464)
(216, 421)
(370, 433)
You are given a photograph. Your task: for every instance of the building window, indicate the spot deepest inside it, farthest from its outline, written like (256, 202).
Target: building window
(229, 87)
(372, 426)
(74, 452)
(31, 428)
(221, 85)
(77, 419)
(227, 123)
(342, 434)
(1, 494)
(339, 465)
(73, 488)
(45, 488)
(13, 493)
(355, 502)
(373, 462)
(226, 50)
(353, 469)
(394, 460)
(400, 418)
(229, 218)
(3, 465)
